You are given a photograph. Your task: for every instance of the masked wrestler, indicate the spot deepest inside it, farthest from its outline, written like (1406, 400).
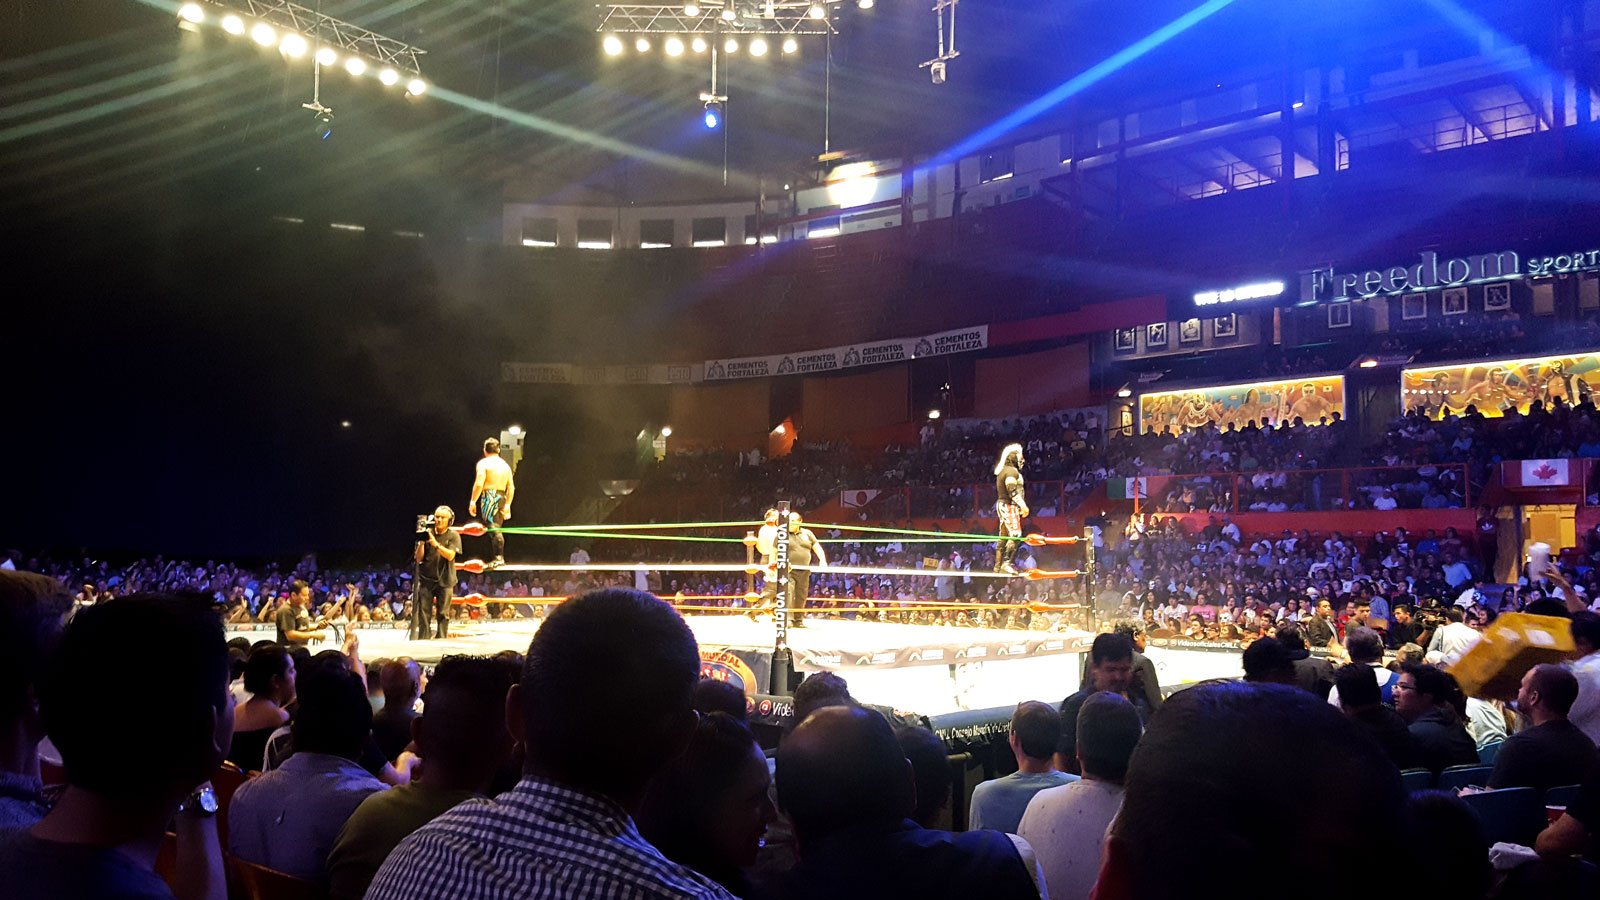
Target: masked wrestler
(1010, 507)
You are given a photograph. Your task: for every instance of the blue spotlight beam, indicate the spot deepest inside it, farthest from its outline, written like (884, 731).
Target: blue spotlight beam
(1472, 25)
(1078, 83)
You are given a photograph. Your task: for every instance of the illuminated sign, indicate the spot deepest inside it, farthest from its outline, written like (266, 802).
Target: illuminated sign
(1239, 294)
(1263, 402)
(1493, 386)
(1428, 272)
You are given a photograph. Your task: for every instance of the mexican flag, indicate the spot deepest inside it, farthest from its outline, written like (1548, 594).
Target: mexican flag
(1128, 488)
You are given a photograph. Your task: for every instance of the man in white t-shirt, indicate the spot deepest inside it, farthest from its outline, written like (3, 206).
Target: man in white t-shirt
(1066, 826)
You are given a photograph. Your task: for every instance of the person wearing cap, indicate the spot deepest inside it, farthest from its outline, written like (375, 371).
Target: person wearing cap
(436, 576)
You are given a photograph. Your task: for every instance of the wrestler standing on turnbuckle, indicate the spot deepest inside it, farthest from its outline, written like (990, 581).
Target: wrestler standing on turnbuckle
(1010, 507)
(492, 489)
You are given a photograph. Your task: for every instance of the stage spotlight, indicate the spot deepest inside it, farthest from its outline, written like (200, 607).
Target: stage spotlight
(864, 4)
(191, 12)
(612, 45)
(293, 46)
(416, 87)
(666, 431)
(264, 35)
(713, 115)
(732, 46)
(326, 57)
(728, 15)
(674, 46)
(324, 129)
(233, 24)
(816, 11)
(642, 45)
(758, 47)
(388, 76)
(698, 45)
(690, 9)
(355, 65)
(790, 45)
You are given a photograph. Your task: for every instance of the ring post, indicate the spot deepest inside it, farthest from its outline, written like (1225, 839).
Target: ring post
(782, 659)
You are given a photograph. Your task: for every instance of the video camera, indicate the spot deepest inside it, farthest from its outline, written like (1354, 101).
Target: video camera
(425, 525)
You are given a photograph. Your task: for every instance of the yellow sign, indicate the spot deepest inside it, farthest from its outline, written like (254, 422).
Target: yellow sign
(1494, 386)
(1312, 400)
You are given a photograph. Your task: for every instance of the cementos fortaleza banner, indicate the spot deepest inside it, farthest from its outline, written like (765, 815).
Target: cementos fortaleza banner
(849, 356)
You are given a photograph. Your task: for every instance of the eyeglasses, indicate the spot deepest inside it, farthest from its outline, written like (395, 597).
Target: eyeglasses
(1402, 686)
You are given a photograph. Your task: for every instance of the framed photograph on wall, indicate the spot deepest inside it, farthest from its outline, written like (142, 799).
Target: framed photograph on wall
(1414, 306)
(1497, 297)
(1189, 331)
(1155, 336)
(1225, 326)
(1339, 315)
(1455, 301)
(1125, 340)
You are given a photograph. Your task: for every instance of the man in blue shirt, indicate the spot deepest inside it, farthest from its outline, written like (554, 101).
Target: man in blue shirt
(1000, 803)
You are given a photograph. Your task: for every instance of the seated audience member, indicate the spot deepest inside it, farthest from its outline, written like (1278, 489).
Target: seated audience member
(32, 608)
(817, 691)
(1553, 751)
(269, 677)
(847, 786)
(1110, 669)
(1267, 660)
(1311, 673)
(287, 819)
(711, 695)
(1456, 637)
(930, 763)
(1576, 831)
(1362, 701)
(463, 741)
(391, 726)
(1365, 647)
(1486, 721)
(1585, 712)
(709, 809)
(1066, 826)
(1000, 802)
(1184, 802)
(1447, 839)
(102, 837)
(594, 738)
(1425, 697)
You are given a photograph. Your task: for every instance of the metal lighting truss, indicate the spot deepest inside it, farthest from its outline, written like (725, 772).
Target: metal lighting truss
(790, 17)
(323, 29)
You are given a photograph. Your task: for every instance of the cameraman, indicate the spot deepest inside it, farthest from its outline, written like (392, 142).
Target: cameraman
(436, 575)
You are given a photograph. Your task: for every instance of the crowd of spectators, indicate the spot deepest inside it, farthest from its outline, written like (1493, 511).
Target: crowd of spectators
(544, 775)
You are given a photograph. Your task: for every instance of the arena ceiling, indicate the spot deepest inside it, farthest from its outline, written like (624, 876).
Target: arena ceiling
(108, 98)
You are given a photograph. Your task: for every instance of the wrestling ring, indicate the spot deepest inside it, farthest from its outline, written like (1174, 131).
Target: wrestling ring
(904, 664)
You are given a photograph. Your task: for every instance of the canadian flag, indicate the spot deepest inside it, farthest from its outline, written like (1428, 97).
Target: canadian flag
(857, 499)
(1544, 472)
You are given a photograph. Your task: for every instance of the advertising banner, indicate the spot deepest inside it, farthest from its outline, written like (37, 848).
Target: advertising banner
(849, 356)
(1493, 386)
(1263, 402)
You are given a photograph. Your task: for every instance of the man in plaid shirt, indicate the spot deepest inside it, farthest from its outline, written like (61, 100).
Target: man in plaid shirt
(605, 701)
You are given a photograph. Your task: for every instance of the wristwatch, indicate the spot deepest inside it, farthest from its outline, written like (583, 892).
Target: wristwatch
(202, 802)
